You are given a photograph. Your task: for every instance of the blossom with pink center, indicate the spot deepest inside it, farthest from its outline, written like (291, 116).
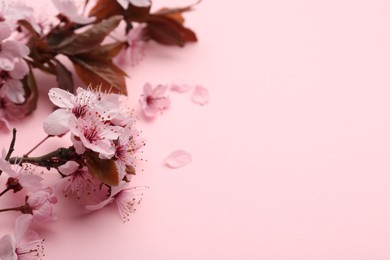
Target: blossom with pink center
(137, 3)
(77, 181)
(154, 100)
(40, 205)
(125, 198)
(92, 133)
(128, 144)
(10, 84)
(133, 52)
(57, 123)
(68, 9)
(77, 106)
(20, 176)
(23, 245)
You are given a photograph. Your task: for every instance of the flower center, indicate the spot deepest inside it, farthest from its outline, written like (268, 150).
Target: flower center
(80, 110)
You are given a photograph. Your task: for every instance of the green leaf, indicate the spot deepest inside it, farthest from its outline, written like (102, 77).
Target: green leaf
(101, 169)
(100, 73)
(64, 77)
(90, 39)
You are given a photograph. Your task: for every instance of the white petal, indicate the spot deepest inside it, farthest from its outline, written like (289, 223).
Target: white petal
(200, 95)
(57, 123)
(178, 159)
(7, 248)
(21, 225)
(17, 49)
(69, 167)
(5, 31)
(61, 98)
(15, 91)
(99, 205)
(123, 3)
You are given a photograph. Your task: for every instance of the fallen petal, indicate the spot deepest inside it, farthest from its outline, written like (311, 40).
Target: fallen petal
(181, 86)
(178, 159)
(200, 95)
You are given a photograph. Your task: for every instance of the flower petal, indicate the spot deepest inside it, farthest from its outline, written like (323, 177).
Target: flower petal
(140, 3)
(57, 123)
(178, 159)
(200, 95)
(21, 225)
(100, 205)
(180, 86)
(7, 248)
(61, 98)
(69, 167)
(14, 91)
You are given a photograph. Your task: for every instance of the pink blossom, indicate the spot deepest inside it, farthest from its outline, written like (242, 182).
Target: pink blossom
(77, 181)
(40, 205)
(92, 133)
(10, 84)
(200, 95)
(21, 246)
(77, 106)
(125, 198)
(127, 146)
(10, 51)
(70, 11)
(20, 176)
(178, 159)
(135, 46)
(12, 12)
(154, 100)
(138, 3)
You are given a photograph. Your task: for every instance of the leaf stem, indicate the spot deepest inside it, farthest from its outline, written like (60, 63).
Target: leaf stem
(4, 191)
(36, 146)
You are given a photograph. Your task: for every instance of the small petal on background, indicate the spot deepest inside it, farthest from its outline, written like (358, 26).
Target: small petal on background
(181, 86)
(178, 159)
(200, 95)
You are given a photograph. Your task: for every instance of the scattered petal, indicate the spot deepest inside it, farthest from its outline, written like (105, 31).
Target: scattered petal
(181, 86)
(200, 95)
(178, 159)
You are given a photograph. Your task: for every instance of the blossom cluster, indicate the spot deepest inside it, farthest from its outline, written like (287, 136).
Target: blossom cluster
(99, 38)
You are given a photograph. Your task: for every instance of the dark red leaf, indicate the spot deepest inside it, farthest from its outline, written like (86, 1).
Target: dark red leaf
(31, 90)
(88, 40)
(103, 170)
(105, 9)
(64, 77)
(100, 73)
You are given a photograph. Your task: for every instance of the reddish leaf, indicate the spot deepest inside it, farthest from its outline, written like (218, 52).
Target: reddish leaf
(106, 8)
(100, 72)
(28, 27)
(103, 170)
(64, 77)
(108, 51)
(31, 90)
(168, 31)
(90, 39)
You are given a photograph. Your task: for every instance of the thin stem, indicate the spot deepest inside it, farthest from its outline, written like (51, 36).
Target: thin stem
(4, 191)
(11, 145)
(36, 146)
(12, 209)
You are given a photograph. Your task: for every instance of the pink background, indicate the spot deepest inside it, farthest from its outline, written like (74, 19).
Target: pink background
(290, 157)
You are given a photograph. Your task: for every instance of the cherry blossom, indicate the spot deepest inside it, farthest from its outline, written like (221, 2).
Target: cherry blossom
(20, 176)
(154, 100)
(181, 86)
(21, 246)
(70, 11)
(10, 51)
(178, 159)
(138, 3)
(127, 146)
(125, 198)
(77, 106)
(135, 46)
(40, 205)
(10, 84)
(92, 133)
(77, 181)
